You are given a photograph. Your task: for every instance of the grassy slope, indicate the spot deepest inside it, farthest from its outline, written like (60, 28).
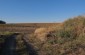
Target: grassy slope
(68, 39)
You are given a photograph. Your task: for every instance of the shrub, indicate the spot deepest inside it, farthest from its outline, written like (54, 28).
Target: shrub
(2, 22)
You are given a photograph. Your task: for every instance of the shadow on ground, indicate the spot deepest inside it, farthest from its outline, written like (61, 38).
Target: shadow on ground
(9, 46)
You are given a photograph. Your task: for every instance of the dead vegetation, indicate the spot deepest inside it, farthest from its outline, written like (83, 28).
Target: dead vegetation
(66, 38)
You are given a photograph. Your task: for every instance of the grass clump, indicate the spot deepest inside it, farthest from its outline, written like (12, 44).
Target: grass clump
(6, 33)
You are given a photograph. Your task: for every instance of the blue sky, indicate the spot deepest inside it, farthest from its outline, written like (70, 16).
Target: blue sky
(26, 11)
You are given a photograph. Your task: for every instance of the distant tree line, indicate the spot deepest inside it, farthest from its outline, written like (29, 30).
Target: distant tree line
(2, 22)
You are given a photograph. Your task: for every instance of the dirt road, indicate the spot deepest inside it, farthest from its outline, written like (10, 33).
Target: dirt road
(10, 46)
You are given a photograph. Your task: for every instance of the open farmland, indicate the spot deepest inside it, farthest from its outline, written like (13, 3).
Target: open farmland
(24, 27)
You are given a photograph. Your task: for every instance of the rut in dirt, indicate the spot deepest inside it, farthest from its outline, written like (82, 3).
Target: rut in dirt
(9, 47)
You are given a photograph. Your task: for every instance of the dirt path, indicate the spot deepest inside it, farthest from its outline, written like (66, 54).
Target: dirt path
(10, 46)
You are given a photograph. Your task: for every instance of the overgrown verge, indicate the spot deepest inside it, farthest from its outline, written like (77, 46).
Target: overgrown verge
(67, 39)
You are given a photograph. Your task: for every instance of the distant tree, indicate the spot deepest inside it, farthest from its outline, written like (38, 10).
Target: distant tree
(2, 22)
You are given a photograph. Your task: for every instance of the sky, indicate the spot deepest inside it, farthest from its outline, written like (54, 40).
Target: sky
(38, 11)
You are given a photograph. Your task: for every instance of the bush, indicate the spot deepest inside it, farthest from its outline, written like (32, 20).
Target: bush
(2, 22)
(72, 36)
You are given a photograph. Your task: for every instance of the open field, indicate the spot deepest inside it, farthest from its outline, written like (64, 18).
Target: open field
(29, 25)
(24, 27)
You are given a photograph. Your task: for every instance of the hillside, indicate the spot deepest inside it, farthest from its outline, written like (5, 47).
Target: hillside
(66, 38)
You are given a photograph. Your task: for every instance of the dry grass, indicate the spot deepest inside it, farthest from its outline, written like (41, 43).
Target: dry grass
(24, 27)
(67, 38)
(41, 33)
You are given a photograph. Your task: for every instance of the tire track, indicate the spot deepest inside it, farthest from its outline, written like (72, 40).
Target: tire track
(10, 46)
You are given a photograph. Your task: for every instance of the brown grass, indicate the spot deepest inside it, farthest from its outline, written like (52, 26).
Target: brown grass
(67, 38)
